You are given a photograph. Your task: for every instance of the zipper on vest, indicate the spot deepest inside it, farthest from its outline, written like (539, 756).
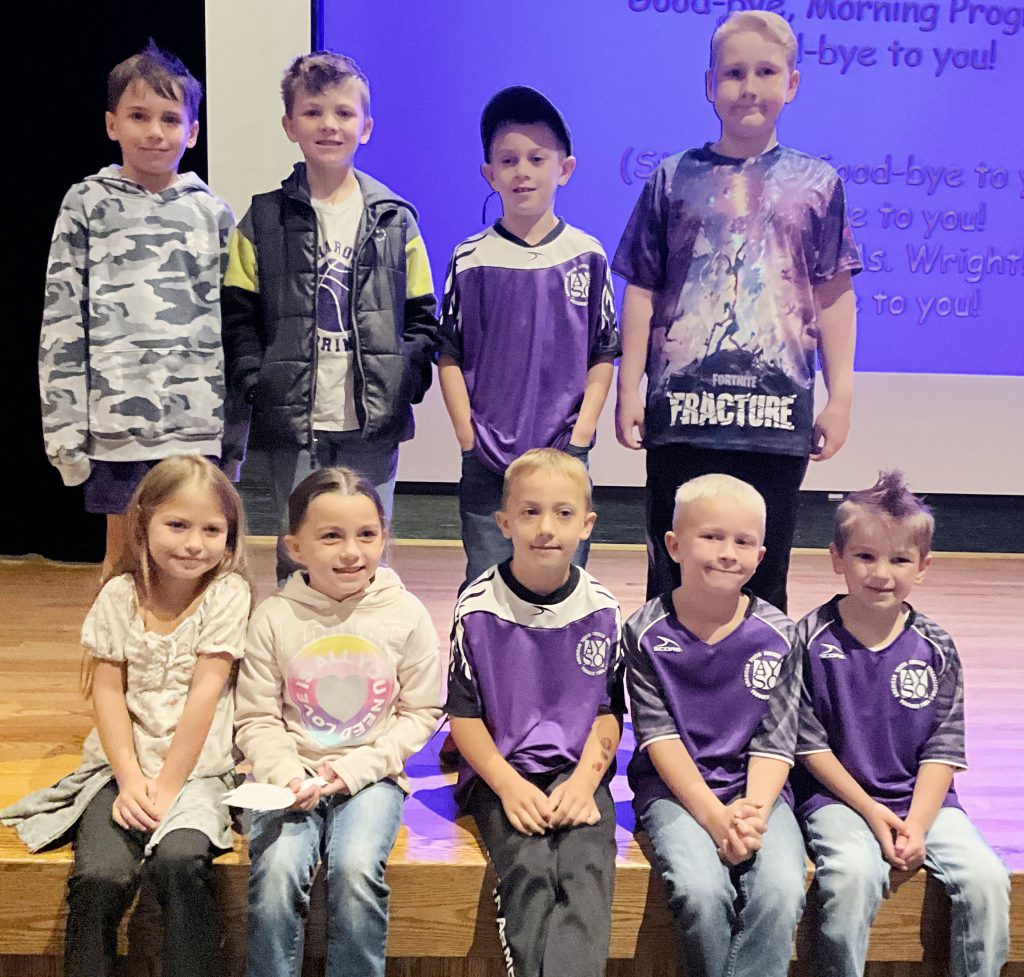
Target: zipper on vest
(352, 293)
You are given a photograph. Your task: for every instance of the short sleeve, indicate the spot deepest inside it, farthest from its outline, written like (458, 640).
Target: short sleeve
(106, 626)
(835, 249)
(616, 692)
(642, 252)
(463, 693)
(604, 329)
(946, 742)
(776, 735)
(811, 736)
(226, 614)
(450, 332)
(651, 718)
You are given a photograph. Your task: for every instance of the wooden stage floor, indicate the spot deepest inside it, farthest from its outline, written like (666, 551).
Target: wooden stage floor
(980, 600)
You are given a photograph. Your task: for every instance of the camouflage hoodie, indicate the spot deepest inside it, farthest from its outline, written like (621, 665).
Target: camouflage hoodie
(130, 360)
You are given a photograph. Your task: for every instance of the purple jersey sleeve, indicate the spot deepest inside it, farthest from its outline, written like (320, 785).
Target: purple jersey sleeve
(811, 735)
(946, 743)
(604, 331)
(642, 252)
(834, 244)
(450, 332)
(463, 693)
(651, 717)
(776, 736)
(616, 668)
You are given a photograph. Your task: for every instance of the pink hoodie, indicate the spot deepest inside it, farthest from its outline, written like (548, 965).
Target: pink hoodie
(357, 683)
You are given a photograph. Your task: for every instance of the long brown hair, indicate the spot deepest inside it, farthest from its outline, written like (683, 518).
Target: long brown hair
(161, 483)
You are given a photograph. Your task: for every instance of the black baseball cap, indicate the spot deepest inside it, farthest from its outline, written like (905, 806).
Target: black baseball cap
(524, 105)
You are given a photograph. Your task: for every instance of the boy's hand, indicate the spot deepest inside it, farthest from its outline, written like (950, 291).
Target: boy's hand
(335, 785)
(629, 420)
(305, 799)
(736, 829)
(526, 806)
(831, 428)
(133, 807)
(910, 845)
(884, 824)
(572, 804)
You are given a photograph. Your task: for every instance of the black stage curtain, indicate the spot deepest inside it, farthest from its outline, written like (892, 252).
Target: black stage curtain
(55, 135)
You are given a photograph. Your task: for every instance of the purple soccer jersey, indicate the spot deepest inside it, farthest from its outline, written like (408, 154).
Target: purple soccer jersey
(882, 713)
(726, 701)
(537, 670)
(526, 323)
(732, 250)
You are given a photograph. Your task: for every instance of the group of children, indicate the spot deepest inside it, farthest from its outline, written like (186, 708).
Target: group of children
(307, 333)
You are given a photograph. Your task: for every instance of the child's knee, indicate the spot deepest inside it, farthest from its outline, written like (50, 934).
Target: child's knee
(182, 860)
(851, 880)
(986, 885)
(102, 882)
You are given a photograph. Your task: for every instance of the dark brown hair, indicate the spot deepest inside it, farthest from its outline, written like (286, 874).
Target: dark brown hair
(163, 72)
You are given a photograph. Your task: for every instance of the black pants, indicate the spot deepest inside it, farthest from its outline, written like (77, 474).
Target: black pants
(776, 477)
(108, 864)
(554, 892)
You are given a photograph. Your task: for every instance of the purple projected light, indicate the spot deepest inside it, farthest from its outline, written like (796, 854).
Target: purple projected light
(915, 103)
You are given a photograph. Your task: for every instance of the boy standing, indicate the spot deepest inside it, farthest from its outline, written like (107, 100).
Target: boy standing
(535, 699)
(528, 331)
(130, 363)
(329, 312)
(738, 258)
(714, 693)
(882, 733)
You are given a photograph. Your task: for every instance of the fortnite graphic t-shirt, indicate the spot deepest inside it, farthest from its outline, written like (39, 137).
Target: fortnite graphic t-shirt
(732, 250)
(882, 713)
(725, 702)
(525, 323)
(536, 669)
(334, 408)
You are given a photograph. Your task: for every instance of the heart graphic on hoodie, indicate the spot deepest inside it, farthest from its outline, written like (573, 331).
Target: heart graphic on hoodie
(342, 696)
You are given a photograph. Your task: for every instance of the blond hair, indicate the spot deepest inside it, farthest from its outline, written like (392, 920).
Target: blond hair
(550, 461)
(770, 26)
(159, 485)
(718, 486)
(890, 500)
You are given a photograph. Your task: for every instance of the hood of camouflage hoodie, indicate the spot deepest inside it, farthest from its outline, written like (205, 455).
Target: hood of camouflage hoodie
(110, 177)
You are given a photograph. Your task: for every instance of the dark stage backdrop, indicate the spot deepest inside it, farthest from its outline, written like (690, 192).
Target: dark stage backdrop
(55, 135)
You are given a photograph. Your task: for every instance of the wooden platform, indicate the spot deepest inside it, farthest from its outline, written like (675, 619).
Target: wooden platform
(442, 919)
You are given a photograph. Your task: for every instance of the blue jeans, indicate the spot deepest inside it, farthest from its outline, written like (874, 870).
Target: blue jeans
(730, 920)
(377, 461)
(353, 837)
(852, 877)
(479, 499)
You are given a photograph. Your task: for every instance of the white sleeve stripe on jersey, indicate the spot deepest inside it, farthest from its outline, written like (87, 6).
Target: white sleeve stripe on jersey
(810, 752)
(773, 756)
(657, 739)
(959, 764)
(640, 637)
(938, 648)
(789, 641)
(823, 627)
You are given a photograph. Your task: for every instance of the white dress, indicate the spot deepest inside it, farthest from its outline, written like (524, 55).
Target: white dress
(159, 675)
